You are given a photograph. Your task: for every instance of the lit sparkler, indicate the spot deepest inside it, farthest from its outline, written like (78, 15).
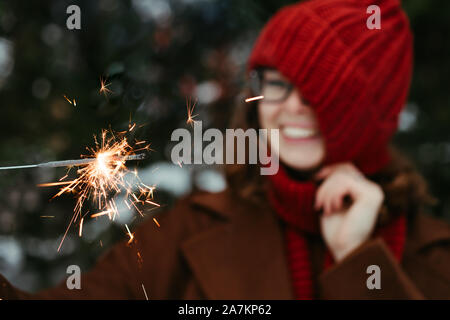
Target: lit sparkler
(101, 176)
(69, 163)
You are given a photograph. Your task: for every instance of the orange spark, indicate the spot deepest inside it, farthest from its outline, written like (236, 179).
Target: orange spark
(157, 223)
(104, 87)
(95, 215)
(68, 100)
(190, 109)
(81, 227)
(52, 184)
(139, 260)
(145, 292)
(254, 98)
(104, 177)
(130, 234)
(153, 203)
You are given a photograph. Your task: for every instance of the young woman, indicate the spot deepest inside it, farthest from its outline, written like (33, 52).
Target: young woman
(342, 218)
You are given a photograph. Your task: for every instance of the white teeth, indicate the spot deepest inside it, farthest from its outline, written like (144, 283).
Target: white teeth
(296, 132)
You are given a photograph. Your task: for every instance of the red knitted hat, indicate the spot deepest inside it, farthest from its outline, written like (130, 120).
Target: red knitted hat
(356, 79)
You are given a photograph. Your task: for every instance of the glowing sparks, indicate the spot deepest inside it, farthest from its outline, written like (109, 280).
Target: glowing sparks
(104, 87)
(152, 203)
(52, 184)
(145, 292)
(47, 216)
(254, 98)
(95, 215)
(80, 232)
(102, 175)
(157, 223)
(72, 102)
(190, 109)
(140, 260)
(129, 234)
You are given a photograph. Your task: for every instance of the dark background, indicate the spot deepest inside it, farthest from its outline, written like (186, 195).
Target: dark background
(155, 53)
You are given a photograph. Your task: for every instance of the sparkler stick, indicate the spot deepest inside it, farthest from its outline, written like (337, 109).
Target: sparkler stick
(101, 175)
(73, 163)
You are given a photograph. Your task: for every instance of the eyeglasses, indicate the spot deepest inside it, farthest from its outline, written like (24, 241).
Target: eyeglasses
(272, 90)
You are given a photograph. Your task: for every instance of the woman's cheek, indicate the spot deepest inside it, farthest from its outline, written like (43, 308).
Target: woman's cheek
(268, 115)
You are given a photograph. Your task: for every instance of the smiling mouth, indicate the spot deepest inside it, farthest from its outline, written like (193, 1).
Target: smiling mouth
(298, 133)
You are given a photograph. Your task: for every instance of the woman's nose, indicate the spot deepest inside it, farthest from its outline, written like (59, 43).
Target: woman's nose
(294, 103)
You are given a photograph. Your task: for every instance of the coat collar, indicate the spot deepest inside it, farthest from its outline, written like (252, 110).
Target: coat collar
(425, 231)
(245, 257)
(241, 258)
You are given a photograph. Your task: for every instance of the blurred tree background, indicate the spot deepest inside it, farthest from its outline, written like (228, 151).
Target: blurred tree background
(154, 54)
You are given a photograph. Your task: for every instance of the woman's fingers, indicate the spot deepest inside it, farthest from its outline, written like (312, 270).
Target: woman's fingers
(344, 227)
(320, 195)
(325, 195)
(325, 172)
(334, 197)
(331, 193)
(337, 201)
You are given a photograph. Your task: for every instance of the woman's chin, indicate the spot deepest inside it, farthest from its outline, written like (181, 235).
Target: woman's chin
(306, 163)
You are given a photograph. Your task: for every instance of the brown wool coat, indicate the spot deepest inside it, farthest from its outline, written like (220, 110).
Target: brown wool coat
(214, 246)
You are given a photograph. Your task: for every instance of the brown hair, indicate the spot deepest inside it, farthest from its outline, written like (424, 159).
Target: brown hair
(404, 187)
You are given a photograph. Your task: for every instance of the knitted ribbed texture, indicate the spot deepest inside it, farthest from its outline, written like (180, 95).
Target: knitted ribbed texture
(293, 201)
(297, 196)
(356, 79)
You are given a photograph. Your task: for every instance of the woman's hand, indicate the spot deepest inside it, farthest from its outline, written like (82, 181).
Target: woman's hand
(345, 227)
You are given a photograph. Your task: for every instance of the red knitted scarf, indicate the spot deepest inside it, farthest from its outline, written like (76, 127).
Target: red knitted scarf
(293, 200)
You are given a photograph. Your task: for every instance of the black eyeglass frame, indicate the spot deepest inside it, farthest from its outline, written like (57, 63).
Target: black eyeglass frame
(256, 78)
